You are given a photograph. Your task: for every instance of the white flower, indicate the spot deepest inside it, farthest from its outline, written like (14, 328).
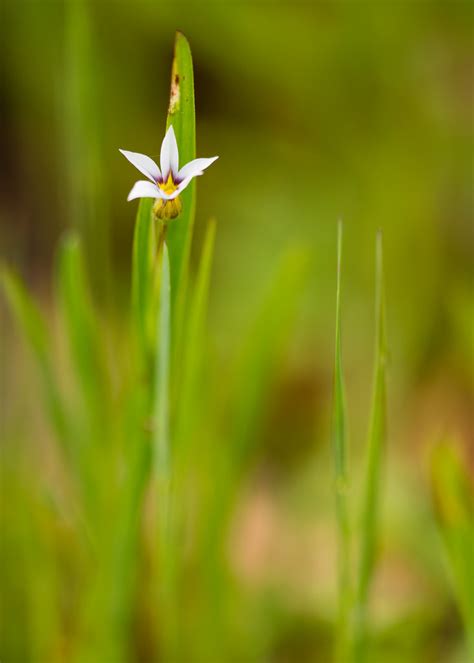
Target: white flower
(165, 184)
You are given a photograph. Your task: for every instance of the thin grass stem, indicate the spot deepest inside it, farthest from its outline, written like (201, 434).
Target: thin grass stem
(341, 477)
(375, 445)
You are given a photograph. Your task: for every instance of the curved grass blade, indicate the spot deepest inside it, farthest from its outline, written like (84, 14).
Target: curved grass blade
(341, 478)
(375, 446)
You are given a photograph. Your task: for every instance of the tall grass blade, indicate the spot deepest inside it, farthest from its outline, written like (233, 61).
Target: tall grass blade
(193, 346)
(181, 114)
(375, 446)
(161, 444)
(453, 499)
(143, 262)
(341, 477)
(115, 586)
(165, 551)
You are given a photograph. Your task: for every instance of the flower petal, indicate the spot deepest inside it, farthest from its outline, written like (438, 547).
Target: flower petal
(144, 189)
(182, 185)
(144, 164)
(169, 156)
(195, 167)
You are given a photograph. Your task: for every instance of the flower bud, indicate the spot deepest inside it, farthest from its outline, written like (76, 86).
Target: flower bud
(167, 209)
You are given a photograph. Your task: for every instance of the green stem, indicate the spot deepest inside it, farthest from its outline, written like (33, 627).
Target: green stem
(341, 478)
(166, 563)
(376, 442)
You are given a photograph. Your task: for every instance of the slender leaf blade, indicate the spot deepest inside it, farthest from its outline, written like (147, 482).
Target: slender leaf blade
(181, 114)
(143, 260)
(375, 445)
(166, 561)
(193, 349)
(340, 452)
(162, 374)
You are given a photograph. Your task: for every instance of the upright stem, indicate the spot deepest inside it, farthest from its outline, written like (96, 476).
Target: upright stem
(341, 478)
(375, 444)
(166, 562)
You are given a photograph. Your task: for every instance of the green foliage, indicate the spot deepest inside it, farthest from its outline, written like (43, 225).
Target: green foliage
(148, 533)
(351, 635)
(194, 348)
(162, 374)
(181, 114)
(375, 447)
(143, 264)
(341, 477)
(233, 446)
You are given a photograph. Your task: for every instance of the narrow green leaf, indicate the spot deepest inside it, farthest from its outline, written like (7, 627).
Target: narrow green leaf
(341, 477)
(166, 561)
(454, 506)
(181, 115)
(33, 326)
(162, 374)
(143, 260)
(375, 446)
(193, 349)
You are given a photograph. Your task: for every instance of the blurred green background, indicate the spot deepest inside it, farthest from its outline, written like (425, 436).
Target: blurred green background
(318, 111)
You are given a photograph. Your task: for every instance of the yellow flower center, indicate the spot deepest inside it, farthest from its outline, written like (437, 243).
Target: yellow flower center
(169, 186)
(167, 209)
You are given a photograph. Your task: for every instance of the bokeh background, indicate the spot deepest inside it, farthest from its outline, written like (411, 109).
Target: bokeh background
(319, 111)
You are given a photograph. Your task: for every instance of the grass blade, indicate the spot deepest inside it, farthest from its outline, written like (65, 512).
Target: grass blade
(181, 114)
(375, 445)
(341, 477)
(166, 562)
(193, 346)
(143, 261)
(161, 442)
